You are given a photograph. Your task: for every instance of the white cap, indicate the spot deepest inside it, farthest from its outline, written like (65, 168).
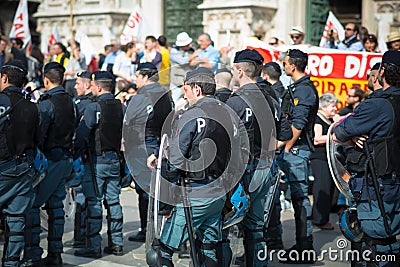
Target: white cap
(297, 30)
(183, 39)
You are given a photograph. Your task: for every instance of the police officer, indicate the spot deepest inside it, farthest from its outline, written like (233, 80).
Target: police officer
(84, 92)
(250, 102)
(56, 129)
(84, 98)
(18, 124)
(100, 131)
(223, 79)
(161, 106)
(189, 129)
(300, 104)
(375, 124)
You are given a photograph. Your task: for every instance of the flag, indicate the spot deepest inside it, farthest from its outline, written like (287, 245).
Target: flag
(332, 23)
(136, 28)
(20, 26)
(107, 35)
(54, 36)
(87, 47)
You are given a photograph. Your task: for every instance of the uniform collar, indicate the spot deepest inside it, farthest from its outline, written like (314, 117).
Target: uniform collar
(302, 79)
(55, 90)
(106, 96)
(12, 89)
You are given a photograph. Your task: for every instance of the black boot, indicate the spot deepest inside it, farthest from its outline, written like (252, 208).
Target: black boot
(87, 253)
(73, 243)
(53, 259)
(114, 249)
(139, 236)
(303, 242)
(183, 252)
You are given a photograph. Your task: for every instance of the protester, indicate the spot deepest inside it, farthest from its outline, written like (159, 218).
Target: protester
(393, 41)
(350, 43)
(370, 43)
(206, 56)
(165, 62)
(323, 186)
(297, 35)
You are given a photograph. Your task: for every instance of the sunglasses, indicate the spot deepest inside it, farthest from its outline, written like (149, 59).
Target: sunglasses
(349, 29)
(272, 43)
(295, 36)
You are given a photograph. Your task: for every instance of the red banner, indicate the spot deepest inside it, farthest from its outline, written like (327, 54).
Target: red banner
(331, 70)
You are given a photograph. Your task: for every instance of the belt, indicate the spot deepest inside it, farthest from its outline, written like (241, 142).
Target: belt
(109, 155)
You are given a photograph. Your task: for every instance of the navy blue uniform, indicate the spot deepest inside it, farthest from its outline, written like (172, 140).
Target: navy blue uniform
(81, 103)
(189, 129)
(92, 132)
(16, 156)
(152, 103)
(56, 129)
(246, 101)
(300, 104)
(375, 118)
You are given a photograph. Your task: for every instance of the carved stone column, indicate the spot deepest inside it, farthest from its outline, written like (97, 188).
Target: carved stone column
(236, 20)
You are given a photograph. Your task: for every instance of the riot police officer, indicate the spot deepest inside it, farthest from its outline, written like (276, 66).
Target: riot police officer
(251, 103)
(84, 98)
(85, 95)
(100, 132)
(374, 129)
(18, 124)
(161, 107)
(56, 129)
(189, 129)
(300, 104)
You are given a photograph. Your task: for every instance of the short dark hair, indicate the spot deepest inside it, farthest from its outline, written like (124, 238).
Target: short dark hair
(152, 38)
(358, 92)
(105, 84)
(63, 48)
(15, 76)
(152, 74)
(55, 76)
(391, 74)
(19, 42)
(271, 72)
(162, 40)
(252, 69)
(300, 63)
(205, 82)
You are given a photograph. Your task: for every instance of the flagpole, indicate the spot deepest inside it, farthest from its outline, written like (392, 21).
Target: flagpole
(71, 25)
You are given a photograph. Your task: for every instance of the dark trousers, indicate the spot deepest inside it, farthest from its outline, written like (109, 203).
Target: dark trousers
(143, 207)
(322, 191)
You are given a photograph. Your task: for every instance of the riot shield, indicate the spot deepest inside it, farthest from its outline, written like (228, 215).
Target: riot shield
(154, 220)
(336, 159)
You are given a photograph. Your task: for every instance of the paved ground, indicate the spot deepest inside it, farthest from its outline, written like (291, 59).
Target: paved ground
(135, 252)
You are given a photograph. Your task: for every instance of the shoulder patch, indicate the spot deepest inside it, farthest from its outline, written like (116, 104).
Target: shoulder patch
(295, 101)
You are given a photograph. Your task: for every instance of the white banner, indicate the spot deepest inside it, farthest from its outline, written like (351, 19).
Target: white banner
(136, 28)
(332, 24)
(20, 27)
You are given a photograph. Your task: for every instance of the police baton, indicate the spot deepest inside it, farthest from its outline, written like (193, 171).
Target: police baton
(371, 165)
(189, 223)
(95, 185)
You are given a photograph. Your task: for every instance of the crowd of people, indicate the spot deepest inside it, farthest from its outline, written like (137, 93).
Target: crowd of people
(73, 111)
